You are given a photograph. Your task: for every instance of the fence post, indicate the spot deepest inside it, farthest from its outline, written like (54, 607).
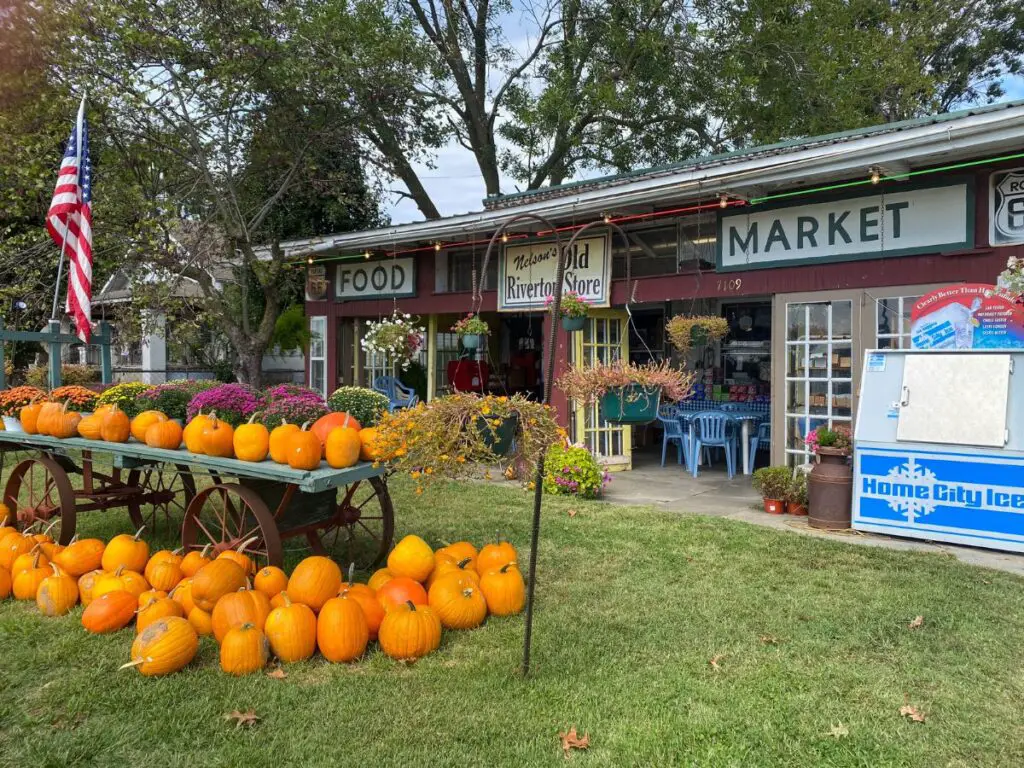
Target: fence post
(3, 362)
(104, 340)
(54, 344)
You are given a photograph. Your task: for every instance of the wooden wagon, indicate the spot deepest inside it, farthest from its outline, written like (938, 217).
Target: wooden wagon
(222, 502)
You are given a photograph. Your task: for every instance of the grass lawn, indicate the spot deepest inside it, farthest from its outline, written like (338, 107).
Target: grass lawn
(632, 606)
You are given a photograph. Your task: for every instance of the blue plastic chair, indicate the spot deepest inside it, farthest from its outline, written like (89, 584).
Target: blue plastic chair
(672, 431)
(729, 407)
(714, 429)
(398, 395)
(761, 439)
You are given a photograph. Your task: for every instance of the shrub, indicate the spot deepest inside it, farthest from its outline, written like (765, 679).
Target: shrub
(364, 405)
(293, 391)
(70, 375)
(573, 471)
(124, 396)
(295, 409)
(14, 399)
(234, 403)
(797, 491)
(78, 398)
(773, 482)
(172, 399)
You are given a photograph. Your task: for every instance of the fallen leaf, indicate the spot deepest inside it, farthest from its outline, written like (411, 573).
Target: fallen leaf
(243, 718)
(985, 581)
(572, 513)
(839, 731)
(769, 639)
(572, 740)
(714, 661)
(912, 712)
(278, 674)
(917, 623)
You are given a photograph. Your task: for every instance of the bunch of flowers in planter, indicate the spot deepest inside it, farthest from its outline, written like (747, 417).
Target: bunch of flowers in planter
(365, 405)
(837, 438)
(397, 338)
(686, 330)
(471, 325)
(124, 396)
(233, 403)
(773, 483)
(78, 398)
(573, 305)
(172, 399)
(588, 385)
(295, 391)
(294, 409)
(14, 399)
(572, 470)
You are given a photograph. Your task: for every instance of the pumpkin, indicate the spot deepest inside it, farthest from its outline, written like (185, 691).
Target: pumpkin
(5, 584)
(279, 599)
(412, 557)
(109, 612)
(6, 531)
(271, 581)
(162, 556)
(164, 434)
(341, 630)
(64, 423)
(153, 594)
(409, 631)
(291, 630)
(215, 580)
(445, 565)
(34, 557)
(85, 584)
(367, 600)
(244, 650)
(127, 550)
(182, 594)
(157, 608)
(12, 547)
(47, 413)
(201, 621)
(323, 426)
(238, 608)
(82, 556)
(314, 581)
(165, 646)
(368, 450)
(193, 433)
(251, 441)
(461, 550)
(195, 560)
(342, 447)
(26, 583)
(494, 556)
(122, 578)
(44, 537)
(458, 602)
(115, 426)
(165, 576)
(29, 417)
(400, 590)
(278, 441)
(304, 450)
(238, 556)
(57, 594)
(89, 427)
(143, 422)
(51, 549)
(379, 578)
(217, 438)
(504, 590)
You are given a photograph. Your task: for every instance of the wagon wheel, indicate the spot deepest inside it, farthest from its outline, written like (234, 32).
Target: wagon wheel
(363, 528)
(39, 489)
(165, 494)
(224, 516)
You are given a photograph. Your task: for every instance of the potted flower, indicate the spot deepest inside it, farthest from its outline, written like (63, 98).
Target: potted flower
(796, 495)
(172, 398)
(773, 485)
(686, 330)
(572, 470)
(365, 405)
(573, 310)
(830, 484)
(78, 398)
(627, 393)
(234, 403)
(397, 338)
(13, 400)
(470, 329)
(124, 396)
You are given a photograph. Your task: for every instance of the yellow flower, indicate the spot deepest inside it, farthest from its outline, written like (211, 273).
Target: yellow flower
(414, 475)
(486, 410)
(419, 490)
(443, 457)
(502, 399)
(460, 459)
(429, 470)
(487, 475)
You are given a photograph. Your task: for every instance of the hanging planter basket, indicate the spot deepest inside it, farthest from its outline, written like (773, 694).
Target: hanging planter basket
(574, 324)
(633, 404)
(471, 341)
(498, 439)
(688, 331)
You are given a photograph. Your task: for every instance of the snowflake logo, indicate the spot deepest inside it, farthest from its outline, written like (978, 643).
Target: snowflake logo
(910, 473)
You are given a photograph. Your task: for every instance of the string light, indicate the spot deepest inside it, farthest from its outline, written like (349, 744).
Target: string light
(876, 175)
(309, 260)
(437, 246)
(607, 218)
(366, 255)
(723, 201)
(504, 237)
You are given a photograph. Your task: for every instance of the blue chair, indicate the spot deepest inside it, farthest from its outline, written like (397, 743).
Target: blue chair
(714, 429)
(761, 439)
(729, 407)
(672, 431)
(398, 395)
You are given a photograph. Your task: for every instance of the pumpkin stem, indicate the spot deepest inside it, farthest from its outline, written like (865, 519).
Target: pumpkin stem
(287, 600)
(46, 530)
(304, 427)
(411, 604)
(119, 569)
(351, 572)
(56, 570)
(177, 551)
(139, 533)
(246, 543)
(464, 562)
(30, 526)
(253, 417)
(506, 566)
(248, 625)
(467, 592)
(35, 557)
(73, 539)
(205, 550)
(132, 664)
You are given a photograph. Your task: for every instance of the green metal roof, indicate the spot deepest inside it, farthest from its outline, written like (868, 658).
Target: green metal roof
(778, 147)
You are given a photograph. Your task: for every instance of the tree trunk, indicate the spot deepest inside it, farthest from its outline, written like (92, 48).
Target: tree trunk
(249, 367)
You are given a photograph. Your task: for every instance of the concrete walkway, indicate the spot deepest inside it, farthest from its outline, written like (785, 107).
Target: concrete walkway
(671, 488)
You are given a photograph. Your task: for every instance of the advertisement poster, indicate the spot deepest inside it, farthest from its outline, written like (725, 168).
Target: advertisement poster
(969, 316)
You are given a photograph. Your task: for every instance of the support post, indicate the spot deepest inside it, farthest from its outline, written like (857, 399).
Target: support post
(3, 362)
(105, 334)
(54, 346)
(431, 357)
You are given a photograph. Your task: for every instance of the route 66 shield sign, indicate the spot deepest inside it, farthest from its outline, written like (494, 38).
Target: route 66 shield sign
(1006, 206)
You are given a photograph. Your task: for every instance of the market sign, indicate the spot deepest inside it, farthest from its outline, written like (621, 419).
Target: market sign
(1006, 207)
(526, 273)
(972, 316)
(900, 222)
(375, 279)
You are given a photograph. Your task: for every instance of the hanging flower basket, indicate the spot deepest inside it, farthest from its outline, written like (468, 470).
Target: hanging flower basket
(573, 310)
(632, 404)
(573, 324)
(471, 341)
(686, 331)
(626, 393)
(397, 338)
(498, 438)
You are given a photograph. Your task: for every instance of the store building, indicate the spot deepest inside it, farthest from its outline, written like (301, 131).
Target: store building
(814, 250)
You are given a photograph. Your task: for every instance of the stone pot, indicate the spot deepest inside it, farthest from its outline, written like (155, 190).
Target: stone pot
(830, 491)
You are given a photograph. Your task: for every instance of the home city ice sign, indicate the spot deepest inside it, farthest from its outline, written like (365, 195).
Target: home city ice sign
(526, 273)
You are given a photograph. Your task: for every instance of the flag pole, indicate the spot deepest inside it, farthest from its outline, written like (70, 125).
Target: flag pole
(67, 220)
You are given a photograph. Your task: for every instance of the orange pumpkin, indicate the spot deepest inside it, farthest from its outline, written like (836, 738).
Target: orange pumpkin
(271, 581)
(368, 602)
(444, 565)
(12, 547)
(411, 557)
(86, 582)
(368, 450)
(165, 646)
(47, 413)
(278, 441)
(143, 422)
(251, 441)
(31, 559)
(127, 550)
(400, 590)
(110, 612)
(165, 576)
(182, 594)
(161, 556)
(201, 621)
(323, 426)
(89, 427)
(504, 590)
(121, 579)
(65, 423)
(291, 629)
(115, 426)
(238, 608)
(244, 650)
(238, 555)
(5, 584)
(157, 608)
(458, 601)
(304, 450)
(217, 438)
(494, 556)
(26, 583)
(410, 631)
(194, 560)
(341, 630)
(279, 599)
(314, 581)
(153, 594)
(164, 434)
(57, 594)
(459, 551)
(29, 417)
(80, 557)
(193, 432)
(379, 578)
(342, 448)
(215, 580)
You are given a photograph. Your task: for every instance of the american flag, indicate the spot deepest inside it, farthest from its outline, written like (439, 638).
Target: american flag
(69, 222)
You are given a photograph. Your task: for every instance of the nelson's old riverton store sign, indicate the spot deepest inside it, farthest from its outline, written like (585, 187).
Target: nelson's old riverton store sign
(526, 273)
(902, 221)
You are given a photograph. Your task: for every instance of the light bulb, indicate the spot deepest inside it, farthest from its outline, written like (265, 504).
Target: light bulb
(723, 201)
(437, 246)
(366, 255)
(504, 237)
(607, 218)
(309, 260)
(875, 176)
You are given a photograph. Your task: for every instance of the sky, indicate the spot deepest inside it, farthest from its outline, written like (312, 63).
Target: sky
(456, 187)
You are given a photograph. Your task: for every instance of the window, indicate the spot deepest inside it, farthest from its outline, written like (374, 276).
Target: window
(893, 321)
(317, 355)
(651, 252)
(460, 270)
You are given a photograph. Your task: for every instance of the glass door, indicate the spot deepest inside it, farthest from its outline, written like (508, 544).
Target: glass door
(604, 339)
(819, 371)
